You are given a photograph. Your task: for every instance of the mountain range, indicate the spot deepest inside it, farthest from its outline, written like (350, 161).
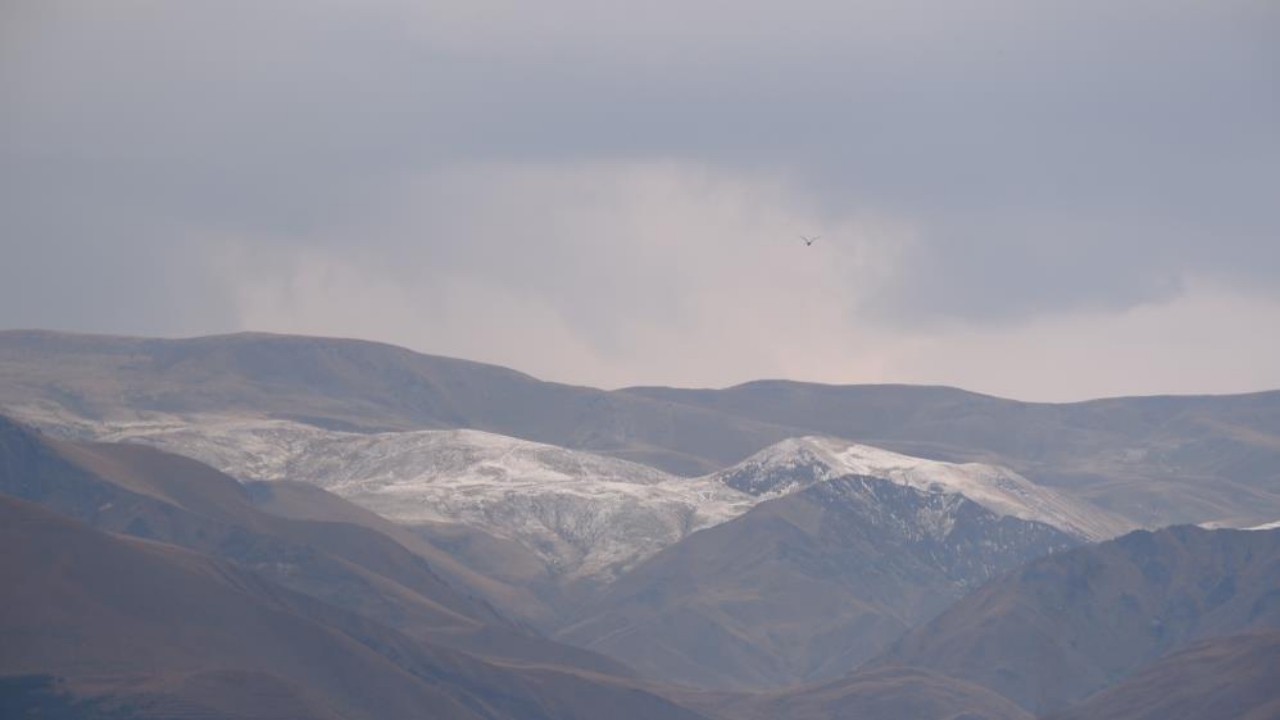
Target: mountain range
(1153, 460)
(484, 544)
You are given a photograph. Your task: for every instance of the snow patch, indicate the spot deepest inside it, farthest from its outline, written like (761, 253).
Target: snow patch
(584, 515)
(798, 462)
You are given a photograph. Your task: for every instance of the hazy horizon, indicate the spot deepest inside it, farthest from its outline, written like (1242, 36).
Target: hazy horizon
(762, 379)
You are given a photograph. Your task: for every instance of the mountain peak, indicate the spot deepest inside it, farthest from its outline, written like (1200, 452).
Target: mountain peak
(799, 462)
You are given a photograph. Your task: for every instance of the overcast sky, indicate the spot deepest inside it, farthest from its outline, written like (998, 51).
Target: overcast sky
(1043, 200)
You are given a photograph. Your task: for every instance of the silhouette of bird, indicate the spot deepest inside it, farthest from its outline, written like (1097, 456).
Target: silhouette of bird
(809, 240)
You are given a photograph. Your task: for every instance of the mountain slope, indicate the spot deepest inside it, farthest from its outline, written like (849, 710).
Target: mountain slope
(897, 693)
(804, 587)
(562, 518)
(1232, 677)
(146, 493)
(1155, 460)
(188, 635)
(510, 592)
(798, 463)
(1063, 627)
(72, 383)
(585, 516)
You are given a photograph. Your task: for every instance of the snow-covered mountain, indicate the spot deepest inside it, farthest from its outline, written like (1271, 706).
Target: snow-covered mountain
(806, 586)
(798, 463)
(848, 547)
(582, 515)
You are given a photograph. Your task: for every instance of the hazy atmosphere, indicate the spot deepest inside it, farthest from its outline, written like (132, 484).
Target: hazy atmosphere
(1043, 200)
(600, 360)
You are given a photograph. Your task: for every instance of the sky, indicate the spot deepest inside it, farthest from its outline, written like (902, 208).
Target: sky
(1040, 199)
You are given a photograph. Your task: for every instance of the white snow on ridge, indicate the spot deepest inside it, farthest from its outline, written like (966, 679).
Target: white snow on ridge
(1229, 525)
(584, 515)
(998, 489)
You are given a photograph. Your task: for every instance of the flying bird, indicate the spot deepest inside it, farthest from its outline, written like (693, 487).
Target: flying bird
(809, 240)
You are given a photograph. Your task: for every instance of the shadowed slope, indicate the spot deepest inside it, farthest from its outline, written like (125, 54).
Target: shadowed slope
(86, 605)
(301, 501)
(1060, 628)
(159, 626)
(1234, 677)
(804, 587)
(146, 493)
(904, 693)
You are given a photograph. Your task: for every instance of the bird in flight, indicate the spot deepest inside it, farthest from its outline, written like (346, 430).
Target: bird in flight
(809, 240)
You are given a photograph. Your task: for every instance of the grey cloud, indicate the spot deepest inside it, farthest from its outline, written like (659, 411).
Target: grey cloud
(1053, 157)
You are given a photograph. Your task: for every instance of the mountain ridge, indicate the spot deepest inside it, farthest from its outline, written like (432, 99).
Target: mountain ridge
(586, 516)
(1156, 460)
(1061, 627)
(805, 586)
(142, 492)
